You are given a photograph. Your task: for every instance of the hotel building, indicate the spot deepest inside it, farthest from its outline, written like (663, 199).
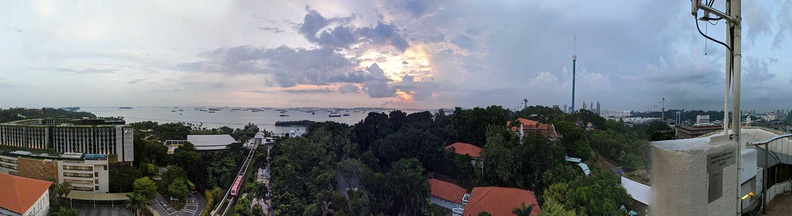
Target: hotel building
(90, 136)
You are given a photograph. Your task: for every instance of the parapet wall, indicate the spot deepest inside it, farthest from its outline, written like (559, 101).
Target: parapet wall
(682, 183)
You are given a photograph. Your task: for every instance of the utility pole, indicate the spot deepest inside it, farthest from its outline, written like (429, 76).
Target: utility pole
(733, 44)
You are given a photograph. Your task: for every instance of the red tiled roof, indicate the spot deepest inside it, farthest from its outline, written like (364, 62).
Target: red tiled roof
(499, 201)
(446, 190)
(19, 193)
(465, 148)
(547, 130)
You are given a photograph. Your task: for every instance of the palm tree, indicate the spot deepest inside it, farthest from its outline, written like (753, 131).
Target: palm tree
(525, 103)
(138, 203)
(523, 210)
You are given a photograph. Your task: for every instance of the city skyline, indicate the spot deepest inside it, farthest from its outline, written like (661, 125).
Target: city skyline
(403, 54)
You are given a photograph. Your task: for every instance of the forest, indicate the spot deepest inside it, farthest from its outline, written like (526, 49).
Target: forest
(388, 157)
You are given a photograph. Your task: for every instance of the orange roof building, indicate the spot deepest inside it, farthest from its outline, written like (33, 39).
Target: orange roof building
(446, 190)
(23, 196)
(499, 201)
(465, 148)
(528, 126)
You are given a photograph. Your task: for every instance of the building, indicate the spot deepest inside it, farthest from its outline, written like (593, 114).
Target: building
(89, 136)
(701, 127)
(23, 196)
(211, 142)
(446, 194)
(527, 126)
(499, 201)
(461, 148)
(85, 172)
(599, 112)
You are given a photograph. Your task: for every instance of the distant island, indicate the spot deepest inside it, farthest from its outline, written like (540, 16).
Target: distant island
(125, 108)
(294, 123)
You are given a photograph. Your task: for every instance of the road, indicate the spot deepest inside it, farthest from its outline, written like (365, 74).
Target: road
(195, 205)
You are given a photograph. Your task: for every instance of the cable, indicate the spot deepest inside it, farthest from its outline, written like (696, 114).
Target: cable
(708, 37)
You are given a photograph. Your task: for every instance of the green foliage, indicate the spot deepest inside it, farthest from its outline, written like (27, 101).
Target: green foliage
(173, 173)
(596, 194)
(64, 189)
(66, 211)
(242, 207)
(474, 122)
(300, 170)
(509, 163)
(623, 148)
(138, 203)
(178, 188)
(149, 170)
(523, 210)
(257, 210)
(312, 210)
(144, 186)
(12, 114)
(484, 214)
(553, 208)
(121, 179)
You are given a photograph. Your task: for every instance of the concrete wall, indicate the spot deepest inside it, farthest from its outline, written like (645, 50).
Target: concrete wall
(444, 203)
(97, 167)
(41, 207)
(680, 181)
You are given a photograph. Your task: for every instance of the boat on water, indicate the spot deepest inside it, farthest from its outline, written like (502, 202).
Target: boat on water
(125, 108)
(284, 115)
(346, 114)
(173, 110)
(180, 114)
(334, 114)
(181, 110)
(211, 111)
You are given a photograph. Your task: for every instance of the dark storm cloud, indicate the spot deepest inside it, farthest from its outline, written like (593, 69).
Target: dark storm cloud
(385, 34)
(289, 66)
(337, 33)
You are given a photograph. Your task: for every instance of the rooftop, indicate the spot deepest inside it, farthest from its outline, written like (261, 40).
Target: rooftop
(211, 142)
(20, 193)
(499, 201)
(465, 148)
(446, 190)
(547, 130)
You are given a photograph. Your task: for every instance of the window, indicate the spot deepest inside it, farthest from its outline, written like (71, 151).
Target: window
(105, 167)
(96, 181)
(96, 174)
(97, 187)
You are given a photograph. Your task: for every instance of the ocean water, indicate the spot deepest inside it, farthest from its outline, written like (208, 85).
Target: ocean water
(265, 119)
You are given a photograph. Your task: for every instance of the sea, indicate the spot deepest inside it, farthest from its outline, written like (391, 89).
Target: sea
(264, 119)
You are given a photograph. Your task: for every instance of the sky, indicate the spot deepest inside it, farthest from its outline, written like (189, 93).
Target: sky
(422, 54)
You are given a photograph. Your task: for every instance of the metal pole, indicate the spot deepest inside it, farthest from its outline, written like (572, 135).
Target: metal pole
(764, 180)
(574, 60)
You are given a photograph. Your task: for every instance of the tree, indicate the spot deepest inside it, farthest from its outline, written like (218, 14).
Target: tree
(523, 210)
(173, 173)
(138, 203)
(257, 210)
(242, 207)
(144, 186)
(410, 188)
(178, 188)
(350, 169)
(66, 211)
(312, 210)
(484, 214)
(64, 189)
(553, 208)
(148, 169)
(121, 178)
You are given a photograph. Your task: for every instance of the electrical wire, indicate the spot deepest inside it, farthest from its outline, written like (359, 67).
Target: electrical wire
(710, 38)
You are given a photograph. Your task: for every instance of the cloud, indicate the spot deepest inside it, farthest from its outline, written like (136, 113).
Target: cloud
(759, 22)
(784, 19)
(337, 33)
(272, 29)
(136, 81)
(348, 89)
(18, 30)
(308, 91)
(289, 66)
(87, 71)
(220, 85)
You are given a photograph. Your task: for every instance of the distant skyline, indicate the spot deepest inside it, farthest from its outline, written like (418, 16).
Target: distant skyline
(420, 54)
